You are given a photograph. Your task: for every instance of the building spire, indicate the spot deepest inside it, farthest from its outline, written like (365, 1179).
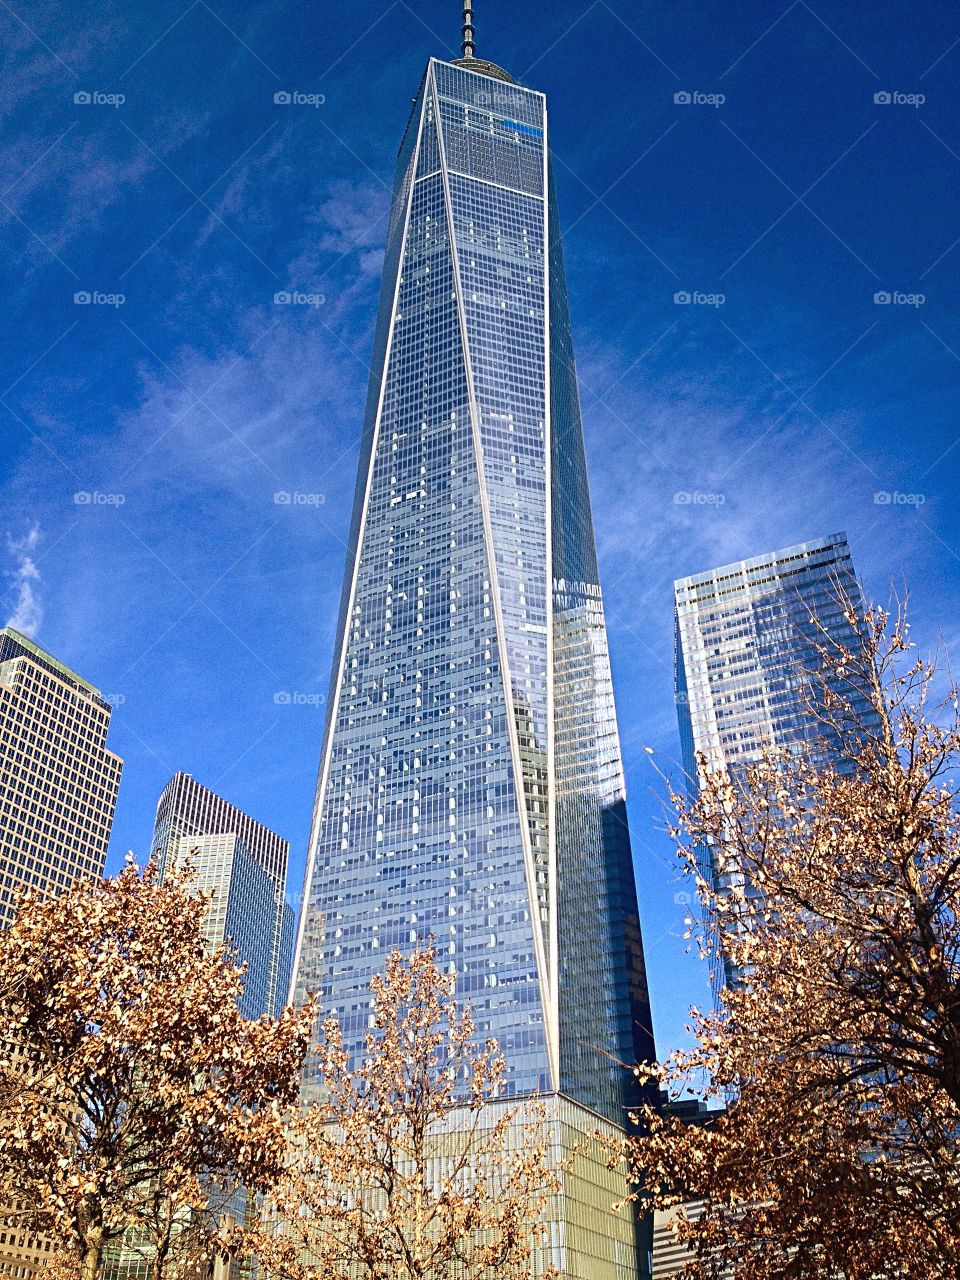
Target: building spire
(468, 31)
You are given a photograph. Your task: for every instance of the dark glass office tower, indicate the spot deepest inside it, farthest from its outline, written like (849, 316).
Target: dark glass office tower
(471, 787)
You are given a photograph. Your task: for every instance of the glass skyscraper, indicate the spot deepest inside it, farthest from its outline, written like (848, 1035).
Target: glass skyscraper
(746, 654)
(243, 913)
(471, 788)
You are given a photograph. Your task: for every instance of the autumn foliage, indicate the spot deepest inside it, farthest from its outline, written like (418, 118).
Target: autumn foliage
(405, 1166)
(133, 1094)
(138, 1106)
(838, 1045)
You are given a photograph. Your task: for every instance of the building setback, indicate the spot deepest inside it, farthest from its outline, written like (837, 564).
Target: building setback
(471, 788)
(243, 866)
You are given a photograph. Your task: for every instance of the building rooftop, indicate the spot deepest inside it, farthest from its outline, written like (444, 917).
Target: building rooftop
(737, 568)
(483, 68)
(47, 659)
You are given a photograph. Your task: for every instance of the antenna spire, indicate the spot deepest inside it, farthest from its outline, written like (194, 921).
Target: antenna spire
(468, 30)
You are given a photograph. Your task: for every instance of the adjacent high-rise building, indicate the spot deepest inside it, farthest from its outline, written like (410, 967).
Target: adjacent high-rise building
(243, 912)
(746, 648)
(242, 865)
(58, 791)
(471, 789)
(747, 637)
(58, 781)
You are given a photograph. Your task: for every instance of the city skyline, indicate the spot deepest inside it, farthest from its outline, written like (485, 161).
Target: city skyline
(699, 451)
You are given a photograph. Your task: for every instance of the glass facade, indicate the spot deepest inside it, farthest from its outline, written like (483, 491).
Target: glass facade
(746, 637)
(242, 900)
(471, 788)
(243, 865)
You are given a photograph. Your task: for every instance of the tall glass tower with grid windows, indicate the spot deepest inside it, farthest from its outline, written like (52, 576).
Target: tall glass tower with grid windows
(746, 650)
(471, 787)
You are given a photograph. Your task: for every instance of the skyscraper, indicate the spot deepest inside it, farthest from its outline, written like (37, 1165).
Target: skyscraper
(58, 791)
(746, 637)
(243, 866)
(243, 912)
(58, 781)
(471, 788)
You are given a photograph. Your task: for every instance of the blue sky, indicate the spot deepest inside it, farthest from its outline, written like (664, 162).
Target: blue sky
(714, 430)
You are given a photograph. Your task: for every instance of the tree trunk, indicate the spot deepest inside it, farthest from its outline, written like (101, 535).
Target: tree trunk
(92, 1255)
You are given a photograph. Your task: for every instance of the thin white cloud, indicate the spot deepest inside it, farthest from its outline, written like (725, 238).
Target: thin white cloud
(349, 227)
(27, 607)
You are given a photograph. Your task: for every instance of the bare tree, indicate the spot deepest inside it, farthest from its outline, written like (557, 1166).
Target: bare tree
(838, 1044)
(406, 1168)
(134, 1097)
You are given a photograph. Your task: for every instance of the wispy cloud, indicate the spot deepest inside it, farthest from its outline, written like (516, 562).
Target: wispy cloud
(353, 219)
(27, 607)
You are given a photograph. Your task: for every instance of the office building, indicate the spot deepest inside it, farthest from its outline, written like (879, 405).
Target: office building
(243, 866)
(243, 912)
(58, 792)
(58, 781)
(747, 637)
(471, 789)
